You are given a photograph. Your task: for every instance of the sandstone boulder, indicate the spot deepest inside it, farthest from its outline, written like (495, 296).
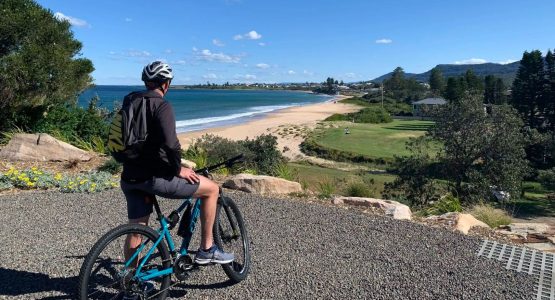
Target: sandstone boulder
(460, 222)
(41, 147)
(260, 184)
(467, 221)
(393, 208)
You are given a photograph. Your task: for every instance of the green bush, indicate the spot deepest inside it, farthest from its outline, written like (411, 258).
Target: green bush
(547, 178)
(260, 154)
(358, 189)
(445, 204)
(337, 117)
(111, 166)
(286, 172)
(373, 115)
(494, 217)
(82, 127)
(326, 188)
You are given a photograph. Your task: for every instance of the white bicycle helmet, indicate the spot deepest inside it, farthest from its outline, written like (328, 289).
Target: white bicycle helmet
(158, 72)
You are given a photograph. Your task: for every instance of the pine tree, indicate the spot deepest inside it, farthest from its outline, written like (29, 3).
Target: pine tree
(499, 96)
(489, 89)
(437, 82)
(549, 89)
(527, 91)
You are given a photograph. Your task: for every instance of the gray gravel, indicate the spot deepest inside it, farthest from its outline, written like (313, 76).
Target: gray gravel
(299, 250)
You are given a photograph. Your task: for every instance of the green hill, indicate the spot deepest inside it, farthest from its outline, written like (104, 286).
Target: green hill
(507, 72)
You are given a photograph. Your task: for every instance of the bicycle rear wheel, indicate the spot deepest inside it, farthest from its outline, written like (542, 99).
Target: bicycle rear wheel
(230, 234)
(104, 275)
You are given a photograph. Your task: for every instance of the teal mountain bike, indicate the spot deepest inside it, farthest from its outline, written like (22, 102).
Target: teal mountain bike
(156, 265)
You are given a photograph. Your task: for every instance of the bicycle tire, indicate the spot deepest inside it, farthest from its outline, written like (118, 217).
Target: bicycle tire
(112, 236)
(237, 270)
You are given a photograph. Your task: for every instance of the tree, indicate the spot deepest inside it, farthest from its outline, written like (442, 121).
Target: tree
(437, 82)
(474, 84)
(480, 150)
(40, 63)
(499, 96)
(549, 89)
(527, 91)
(414, 181)
(489, 90)
(455, 90)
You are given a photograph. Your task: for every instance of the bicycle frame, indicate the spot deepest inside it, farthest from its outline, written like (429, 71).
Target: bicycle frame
(164, 233)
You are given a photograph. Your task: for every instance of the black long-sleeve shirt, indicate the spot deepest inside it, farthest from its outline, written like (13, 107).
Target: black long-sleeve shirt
(161, 155)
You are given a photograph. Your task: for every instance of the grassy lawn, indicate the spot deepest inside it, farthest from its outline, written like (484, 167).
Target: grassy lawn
(312, 175)
(373, 140)
(535, 202)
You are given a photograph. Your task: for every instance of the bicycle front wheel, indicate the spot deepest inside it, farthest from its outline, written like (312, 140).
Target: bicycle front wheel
(230, 234)
(104, 274)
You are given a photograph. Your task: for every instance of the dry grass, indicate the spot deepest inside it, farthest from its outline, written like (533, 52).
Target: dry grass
(494, 217)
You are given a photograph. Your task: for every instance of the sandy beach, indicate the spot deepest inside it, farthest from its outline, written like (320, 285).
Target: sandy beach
(287, 124)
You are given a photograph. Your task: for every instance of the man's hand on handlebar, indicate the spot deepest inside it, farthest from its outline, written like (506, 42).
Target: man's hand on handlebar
(189, 175)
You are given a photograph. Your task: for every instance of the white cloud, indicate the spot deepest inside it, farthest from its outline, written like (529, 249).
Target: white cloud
(218, 43)
(261, 44)
(168, 51)
(251, 35)
(350, 75)
(384, 41)
(195, 49)
(291, 72)
(128, 19)
(72, 20)
(112, 52)
(208, 55)
(508, 61)
(210, 76)
(246, 76)
(179, 62)
(471, 61)
(305, 72)
(262, 66)
(134, 53)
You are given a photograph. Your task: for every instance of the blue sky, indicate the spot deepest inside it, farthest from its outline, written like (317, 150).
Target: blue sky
(297, 41)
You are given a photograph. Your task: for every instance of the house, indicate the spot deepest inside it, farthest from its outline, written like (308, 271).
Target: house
(423, 107)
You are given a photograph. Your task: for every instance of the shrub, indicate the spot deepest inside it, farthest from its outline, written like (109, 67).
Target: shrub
(337, 117)
(197, 155)
(445, 204)
(81, 127)
(286, 172)
(34, 178)
(326, 188)
(358, 189)
(111, 166)
(261, 153)
(371, 115)
(547, 178)
(494, 217)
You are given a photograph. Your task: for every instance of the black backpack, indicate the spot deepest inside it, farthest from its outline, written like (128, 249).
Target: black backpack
(128, 130)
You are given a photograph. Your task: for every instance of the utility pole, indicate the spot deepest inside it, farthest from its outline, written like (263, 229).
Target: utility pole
(382, 93)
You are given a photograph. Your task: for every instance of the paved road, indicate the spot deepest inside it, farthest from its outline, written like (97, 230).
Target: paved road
(299, 251)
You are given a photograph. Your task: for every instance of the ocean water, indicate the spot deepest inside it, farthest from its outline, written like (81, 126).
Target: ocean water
(201, 109)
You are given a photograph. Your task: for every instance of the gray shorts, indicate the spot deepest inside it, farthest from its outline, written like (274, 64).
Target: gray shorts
(139, 195)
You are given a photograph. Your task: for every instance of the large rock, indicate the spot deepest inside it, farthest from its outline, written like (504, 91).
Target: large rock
(459, 221)
(260, 184)
(467, 221)
(41, 147)
(397, 210)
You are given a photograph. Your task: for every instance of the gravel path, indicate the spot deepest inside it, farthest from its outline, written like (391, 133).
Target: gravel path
(299, 251)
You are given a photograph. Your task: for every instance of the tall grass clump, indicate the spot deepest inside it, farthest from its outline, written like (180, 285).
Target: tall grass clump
(494, 217)
(111, 166)
(326, 188)
(286, 172)
(445, 204)
(358, 189)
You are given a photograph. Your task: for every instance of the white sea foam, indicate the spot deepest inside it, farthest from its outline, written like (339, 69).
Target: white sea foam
(201, 123)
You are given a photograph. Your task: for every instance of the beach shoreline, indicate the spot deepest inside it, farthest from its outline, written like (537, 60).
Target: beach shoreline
(299, 117)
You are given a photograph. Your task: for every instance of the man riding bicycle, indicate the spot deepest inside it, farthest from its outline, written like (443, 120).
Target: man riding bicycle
(158, 169)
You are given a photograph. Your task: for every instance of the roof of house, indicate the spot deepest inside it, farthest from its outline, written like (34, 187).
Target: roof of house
(429, 101)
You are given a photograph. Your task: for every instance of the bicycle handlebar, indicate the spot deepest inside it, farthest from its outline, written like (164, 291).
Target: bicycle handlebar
(228, 163)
